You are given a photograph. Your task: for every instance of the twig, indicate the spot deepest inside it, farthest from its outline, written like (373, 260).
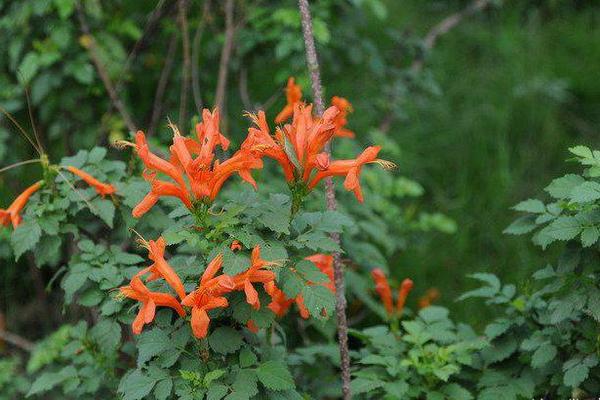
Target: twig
(225, 55)
(446, 25)
(90, 44)
(187, 64)
(151, 23)
(196, 55)
(244, 96)
(16, 340)
(340, 303)
(162, 84)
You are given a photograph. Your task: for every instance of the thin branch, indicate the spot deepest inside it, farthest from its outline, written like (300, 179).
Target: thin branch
(151, 23)
(446, 25)
(90, 44)
(162, 84)
(17, 340)
(244, 96)
(340, 303)
(196, 55)
(187, 63)
(225, 55)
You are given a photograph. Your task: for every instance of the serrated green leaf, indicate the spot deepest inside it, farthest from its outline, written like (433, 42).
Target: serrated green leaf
(245, 383)
(212, 376)
(543, 355)
(49, 380)
(563, 228)
(589, 236)
(521, 225)
(216, 392)
(105, 209)
(25, 237)
(225, 340)
(317, 299)
(586, 192)
(561, 188)
(363, 385)
(136, 385)
(531, 205)
(247, 358)
(291, 284)
(163, 389)
(151, 343)
(107, 334)
(275, 375)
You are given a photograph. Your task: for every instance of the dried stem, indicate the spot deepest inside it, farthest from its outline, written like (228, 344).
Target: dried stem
(196, 55)
(162, 84)
(16, 340)
(90, 44)
(225, 55)
(340, 304)
(186, 68)
(446, 25)
(244, 90)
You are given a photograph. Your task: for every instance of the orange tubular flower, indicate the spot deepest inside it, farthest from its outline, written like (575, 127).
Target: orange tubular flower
(160, 268)
(207, 296)
(325, 263)
(280, 304)
(340, 120)
(194, 158)
(293, 96)
(138, 291)
(431, 295)
(383, 290)
(13, 213)
(403, 292)
(235, 245)
(102, 189)
(252, 327)
(255, 274)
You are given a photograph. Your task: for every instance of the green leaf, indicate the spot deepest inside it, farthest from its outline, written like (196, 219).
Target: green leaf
(290, 283)
(310, 272)
(64, 7)
(275, 376)
(543, 355)
(586, 192)
(247, 358)
(212, 376)
(48, 250)
(497, 328)
(25, 237)
(521, 225)
(163, 389)
(105, 209)
(456, 392)
(136, 385)
(531, 205)
(107, 334)
(582, 151)
(74, 280)
(363, 385)
(575, 375)
(151, 343)
(48, 380)
(225, 340)
(245, 383)
(589, 236)
(561, 188)
(563, 228)
(318, 298)
(216, 392)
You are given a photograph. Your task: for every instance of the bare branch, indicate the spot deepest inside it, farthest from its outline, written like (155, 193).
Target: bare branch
(187, 64)
(225, 55)
(16, 340)
(340, 303)
(244, 90)
(162, 84)
(90, 44)
(446, 25)
(196, 55)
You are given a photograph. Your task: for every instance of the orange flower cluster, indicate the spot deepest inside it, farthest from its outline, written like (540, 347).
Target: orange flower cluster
(431, 295)
(384, 291)
(299, 146)
(293, 96)
(193, 159)
(13, 213)
(210, 292)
